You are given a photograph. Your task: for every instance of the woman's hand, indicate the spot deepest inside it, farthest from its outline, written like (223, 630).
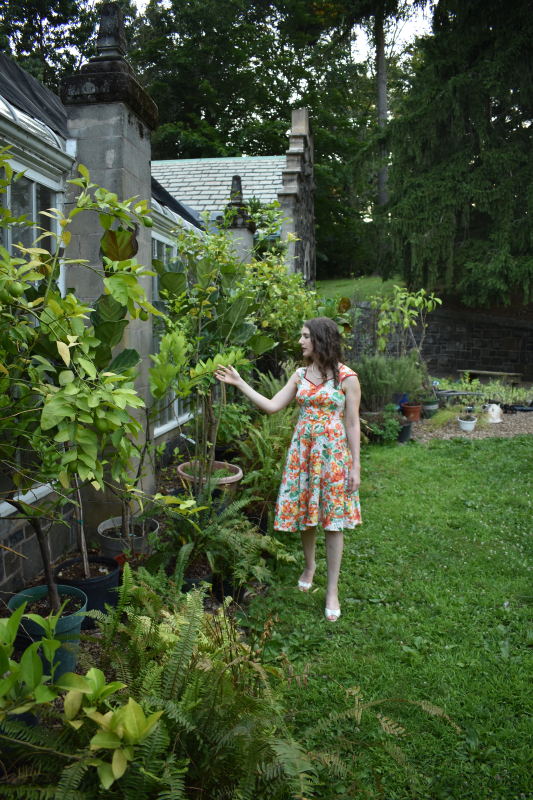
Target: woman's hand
(228, 375)
(354, 480)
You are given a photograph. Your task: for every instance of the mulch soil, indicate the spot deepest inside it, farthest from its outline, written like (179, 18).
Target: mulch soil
(42, 606)
(75, 572)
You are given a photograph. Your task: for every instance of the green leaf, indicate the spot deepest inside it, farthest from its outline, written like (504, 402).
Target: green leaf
(105, 739)
(108, 310)
(67, 376)
(45, 694)
(238, 310)
(13, 623)
(174, 283)
(118, 288)
(105, 773)
(110, 333)
(119, 245)
(31, 668)
(260, 344)
(119, 764)
(125, 360)
(72, 682)
(158, 266)
(89, 367)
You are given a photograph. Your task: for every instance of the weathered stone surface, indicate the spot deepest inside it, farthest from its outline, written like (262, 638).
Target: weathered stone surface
(460, 340)
(108, 78)
(298, 195)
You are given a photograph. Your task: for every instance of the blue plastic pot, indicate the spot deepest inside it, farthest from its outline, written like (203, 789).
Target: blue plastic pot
(67, 628)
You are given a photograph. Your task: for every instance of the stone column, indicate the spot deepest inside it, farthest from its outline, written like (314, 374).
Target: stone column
(242, 228)
(297, 196)
(110, 116)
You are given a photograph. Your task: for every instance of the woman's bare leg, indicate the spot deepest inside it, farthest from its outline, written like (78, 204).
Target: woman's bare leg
(334, 545)
(308, 538)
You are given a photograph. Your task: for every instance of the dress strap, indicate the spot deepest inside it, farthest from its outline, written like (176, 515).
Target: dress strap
(345, 372)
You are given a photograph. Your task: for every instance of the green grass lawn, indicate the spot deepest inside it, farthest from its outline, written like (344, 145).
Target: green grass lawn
(360, 288)
(435, 594)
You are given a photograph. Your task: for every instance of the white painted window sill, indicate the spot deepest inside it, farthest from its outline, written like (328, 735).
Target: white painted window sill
(170, 426)
(6, 510)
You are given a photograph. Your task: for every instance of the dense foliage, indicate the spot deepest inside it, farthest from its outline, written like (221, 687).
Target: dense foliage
(460, 204)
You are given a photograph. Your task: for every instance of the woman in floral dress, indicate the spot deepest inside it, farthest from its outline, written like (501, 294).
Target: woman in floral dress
(322, 474)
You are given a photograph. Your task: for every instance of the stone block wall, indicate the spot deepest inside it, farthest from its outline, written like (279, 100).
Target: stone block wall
(18, 535)
(457, 340)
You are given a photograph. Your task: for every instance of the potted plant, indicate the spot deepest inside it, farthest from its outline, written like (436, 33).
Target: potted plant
(467, 421)
(207, 323)
(235, 422)
(411, 410)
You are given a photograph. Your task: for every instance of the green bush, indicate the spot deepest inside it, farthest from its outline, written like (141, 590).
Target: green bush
(383, 378)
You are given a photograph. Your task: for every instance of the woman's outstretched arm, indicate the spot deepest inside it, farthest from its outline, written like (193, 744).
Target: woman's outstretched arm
(231, 377)
(352, 392)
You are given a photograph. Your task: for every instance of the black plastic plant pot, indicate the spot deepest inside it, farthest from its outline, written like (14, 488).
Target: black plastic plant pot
(260, 520)
(193, 583)
(224, 587)
(405, 434)
(100, 590)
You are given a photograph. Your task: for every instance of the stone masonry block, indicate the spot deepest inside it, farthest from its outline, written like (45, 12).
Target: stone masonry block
(59, 538)
(34, 564)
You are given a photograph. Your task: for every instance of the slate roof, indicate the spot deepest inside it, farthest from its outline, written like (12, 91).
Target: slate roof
(29, 95)
(165, 199)
(205, 183)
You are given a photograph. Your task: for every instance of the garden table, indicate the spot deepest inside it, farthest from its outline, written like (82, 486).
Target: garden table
(513, 377)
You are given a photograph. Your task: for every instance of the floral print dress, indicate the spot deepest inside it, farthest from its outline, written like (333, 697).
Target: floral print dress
(313, 488)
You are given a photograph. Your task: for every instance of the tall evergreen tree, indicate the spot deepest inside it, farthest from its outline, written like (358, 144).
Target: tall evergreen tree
(461, 205)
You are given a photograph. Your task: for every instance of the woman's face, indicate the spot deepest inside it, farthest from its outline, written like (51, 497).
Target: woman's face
(305, 343)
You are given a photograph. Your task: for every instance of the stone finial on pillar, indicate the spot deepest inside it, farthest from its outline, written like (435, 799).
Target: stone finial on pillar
(111, 42)
(107, 77)
(236, 198)
(297, 196)
(242, 226)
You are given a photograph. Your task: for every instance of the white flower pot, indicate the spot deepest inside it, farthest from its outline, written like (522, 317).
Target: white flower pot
(467, 425)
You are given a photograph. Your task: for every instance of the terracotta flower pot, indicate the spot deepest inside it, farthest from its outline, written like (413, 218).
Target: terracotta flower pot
(411, 411)
(185, 471)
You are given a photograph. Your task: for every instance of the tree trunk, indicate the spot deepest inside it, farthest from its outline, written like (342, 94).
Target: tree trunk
(44, 547)
(381, 76)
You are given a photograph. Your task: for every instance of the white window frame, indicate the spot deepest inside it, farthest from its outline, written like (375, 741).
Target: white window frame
(180, 417)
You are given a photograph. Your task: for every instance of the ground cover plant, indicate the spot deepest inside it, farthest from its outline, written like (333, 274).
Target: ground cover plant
(436, 591)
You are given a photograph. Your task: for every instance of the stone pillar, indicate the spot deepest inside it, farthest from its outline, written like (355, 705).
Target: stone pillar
(242, 228)
(297, 196)
(110, 116)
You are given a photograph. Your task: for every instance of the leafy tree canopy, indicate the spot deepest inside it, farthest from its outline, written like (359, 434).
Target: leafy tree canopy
(51, 38)
(460, 207)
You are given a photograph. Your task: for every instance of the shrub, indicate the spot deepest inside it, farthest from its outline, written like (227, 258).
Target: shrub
(382, 379)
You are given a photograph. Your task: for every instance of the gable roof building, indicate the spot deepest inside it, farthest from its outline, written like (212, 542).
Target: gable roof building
(204, 183)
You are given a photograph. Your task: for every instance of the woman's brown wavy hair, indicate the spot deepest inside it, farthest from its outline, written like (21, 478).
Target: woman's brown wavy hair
(327, 349)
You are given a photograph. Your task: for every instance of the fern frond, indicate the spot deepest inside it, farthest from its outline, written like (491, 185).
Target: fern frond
(70, 780)
(181, 564)
(389, 726)
(296, 765)
(175, 670)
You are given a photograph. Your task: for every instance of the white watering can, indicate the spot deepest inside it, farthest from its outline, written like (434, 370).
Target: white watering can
(494, 413)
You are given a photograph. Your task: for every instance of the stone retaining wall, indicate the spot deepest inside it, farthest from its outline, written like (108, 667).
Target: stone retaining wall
(460, 340)
(457, 340)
